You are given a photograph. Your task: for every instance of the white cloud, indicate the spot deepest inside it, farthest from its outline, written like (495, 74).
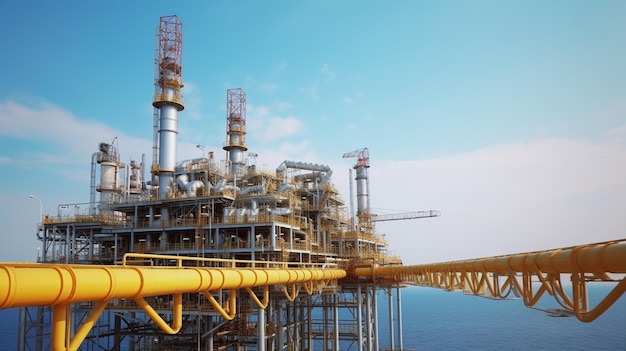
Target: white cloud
(265, 125)
(283, 105)
(68, 140)
(272, 156)
(504, 199)
(281, 127)
(616, 131)
(54, 161)
(193, 102)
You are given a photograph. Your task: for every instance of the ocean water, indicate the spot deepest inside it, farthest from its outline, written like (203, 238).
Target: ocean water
(437, 320)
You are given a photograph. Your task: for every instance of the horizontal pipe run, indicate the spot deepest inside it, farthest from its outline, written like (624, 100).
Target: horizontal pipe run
(49, 285)
(609, 257)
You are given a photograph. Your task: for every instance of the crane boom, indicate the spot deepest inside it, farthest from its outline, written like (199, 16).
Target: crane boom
(362, 155)
(407, 215)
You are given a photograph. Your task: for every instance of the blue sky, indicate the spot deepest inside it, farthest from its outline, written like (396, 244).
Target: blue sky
(508, 117)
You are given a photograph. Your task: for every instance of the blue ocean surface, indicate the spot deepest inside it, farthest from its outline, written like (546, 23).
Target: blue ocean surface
(437, 320)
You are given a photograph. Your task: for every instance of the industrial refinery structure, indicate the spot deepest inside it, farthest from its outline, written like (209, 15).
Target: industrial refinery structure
(222, 209)
(208, 254)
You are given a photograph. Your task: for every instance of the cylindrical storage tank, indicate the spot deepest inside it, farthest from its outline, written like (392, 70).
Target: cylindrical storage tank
(109, 176)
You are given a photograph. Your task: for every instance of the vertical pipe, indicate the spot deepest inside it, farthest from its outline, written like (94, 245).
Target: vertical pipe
(279, 323)
(336, 320)
(260, 342)
(131, 245)
(55, 249)
(143, 175)
(252, 241)
(59, 331)
(21, 331)
(44, 251)
(116, 244)
(324, 330)
(155, 141)
(375, 318)
(150, 216)
(309, 323)
(39, 332)
(368, 317)
(68, 239)
(209, 338)
(399, 304)
(91, 245)
(359, 316)
(391, 331)
(301, 323)
(126, 183)
(352, 220)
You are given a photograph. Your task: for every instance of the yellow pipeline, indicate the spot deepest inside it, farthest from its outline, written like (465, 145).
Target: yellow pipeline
(49, 285)
(498, 276)
(61, 285)
(609, 257)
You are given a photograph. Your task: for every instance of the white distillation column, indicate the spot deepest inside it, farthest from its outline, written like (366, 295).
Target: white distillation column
(110, 166)
(362, 191)
(168, 99)
(168, 133)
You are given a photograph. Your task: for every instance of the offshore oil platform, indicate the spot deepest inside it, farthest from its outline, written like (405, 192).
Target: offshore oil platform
(208, 254)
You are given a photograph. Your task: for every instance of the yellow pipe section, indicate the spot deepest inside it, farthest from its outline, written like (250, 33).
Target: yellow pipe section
(266, 297)
(481, 276)
(84, 329)
(601, 258)
(227, 313)
(177, 323)
(61, 285)
(60, 334)
(51, 285)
